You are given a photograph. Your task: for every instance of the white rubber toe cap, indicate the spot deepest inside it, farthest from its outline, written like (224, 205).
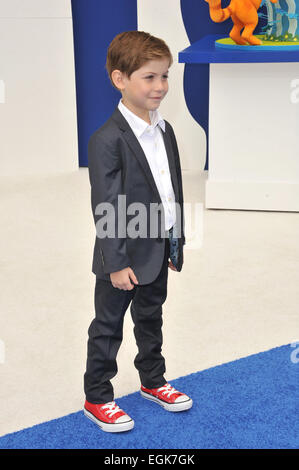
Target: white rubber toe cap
(123, 419)
(182, 398)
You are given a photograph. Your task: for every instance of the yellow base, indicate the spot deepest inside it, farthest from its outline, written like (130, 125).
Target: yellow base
(229, 41)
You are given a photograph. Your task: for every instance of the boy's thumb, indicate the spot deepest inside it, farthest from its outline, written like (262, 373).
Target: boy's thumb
(134, 278)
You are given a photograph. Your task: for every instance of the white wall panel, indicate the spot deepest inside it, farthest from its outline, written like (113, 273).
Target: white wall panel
(35, 8)
(254, 162)
(38, 124)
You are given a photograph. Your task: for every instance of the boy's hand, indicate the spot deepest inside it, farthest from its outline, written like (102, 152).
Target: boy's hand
(122, 279)
(171, 266)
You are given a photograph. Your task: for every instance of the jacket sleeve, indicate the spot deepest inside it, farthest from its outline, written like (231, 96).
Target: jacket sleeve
(179, 176)
(105, 175)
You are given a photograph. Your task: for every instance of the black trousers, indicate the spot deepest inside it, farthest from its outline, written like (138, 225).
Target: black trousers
(106, 332)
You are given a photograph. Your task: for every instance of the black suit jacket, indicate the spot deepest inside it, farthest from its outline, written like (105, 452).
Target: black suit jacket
(118, 167)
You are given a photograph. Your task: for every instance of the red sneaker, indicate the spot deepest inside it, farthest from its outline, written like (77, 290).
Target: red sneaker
(108, 416)
(168, 397)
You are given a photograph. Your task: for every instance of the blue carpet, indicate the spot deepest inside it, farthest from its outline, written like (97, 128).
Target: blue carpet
(251, 403)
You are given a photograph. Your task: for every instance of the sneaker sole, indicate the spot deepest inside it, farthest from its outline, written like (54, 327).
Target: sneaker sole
(117, 427)
(185, 405)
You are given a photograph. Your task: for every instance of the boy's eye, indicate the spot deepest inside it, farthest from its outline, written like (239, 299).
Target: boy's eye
(151, 76)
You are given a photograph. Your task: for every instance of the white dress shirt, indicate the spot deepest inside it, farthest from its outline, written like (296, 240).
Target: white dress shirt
(151, 140)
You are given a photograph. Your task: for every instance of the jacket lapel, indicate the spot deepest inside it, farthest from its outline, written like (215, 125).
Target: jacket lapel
(139, 153)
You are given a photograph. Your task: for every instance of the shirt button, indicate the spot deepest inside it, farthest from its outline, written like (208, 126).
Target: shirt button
(169, 199)
(162, 172)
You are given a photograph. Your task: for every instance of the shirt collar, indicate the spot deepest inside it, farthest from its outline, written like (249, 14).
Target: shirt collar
(138, 125)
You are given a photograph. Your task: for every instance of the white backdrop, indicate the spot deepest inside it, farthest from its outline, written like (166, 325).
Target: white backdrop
(38, 124)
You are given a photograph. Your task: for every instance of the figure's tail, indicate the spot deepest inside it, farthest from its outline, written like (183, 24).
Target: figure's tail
(217, 13)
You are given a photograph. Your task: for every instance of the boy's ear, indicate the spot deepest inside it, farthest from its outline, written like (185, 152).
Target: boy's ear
(118, 79)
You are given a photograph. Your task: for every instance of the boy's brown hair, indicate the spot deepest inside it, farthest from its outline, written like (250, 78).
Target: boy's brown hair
(130, 50)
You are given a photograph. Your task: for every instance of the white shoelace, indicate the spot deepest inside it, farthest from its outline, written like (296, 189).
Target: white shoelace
(112, 408)
(167, 389)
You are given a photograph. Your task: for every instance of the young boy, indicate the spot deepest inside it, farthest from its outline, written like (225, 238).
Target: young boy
(134, 158)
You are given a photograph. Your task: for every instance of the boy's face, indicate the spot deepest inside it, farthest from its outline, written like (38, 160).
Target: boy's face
(146, 87)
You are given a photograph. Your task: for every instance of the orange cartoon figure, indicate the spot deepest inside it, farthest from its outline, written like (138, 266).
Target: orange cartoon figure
(243, 14)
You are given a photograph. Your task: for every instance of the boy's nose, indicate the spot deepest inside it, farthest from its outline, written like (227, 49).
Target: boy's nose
(161, 87)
